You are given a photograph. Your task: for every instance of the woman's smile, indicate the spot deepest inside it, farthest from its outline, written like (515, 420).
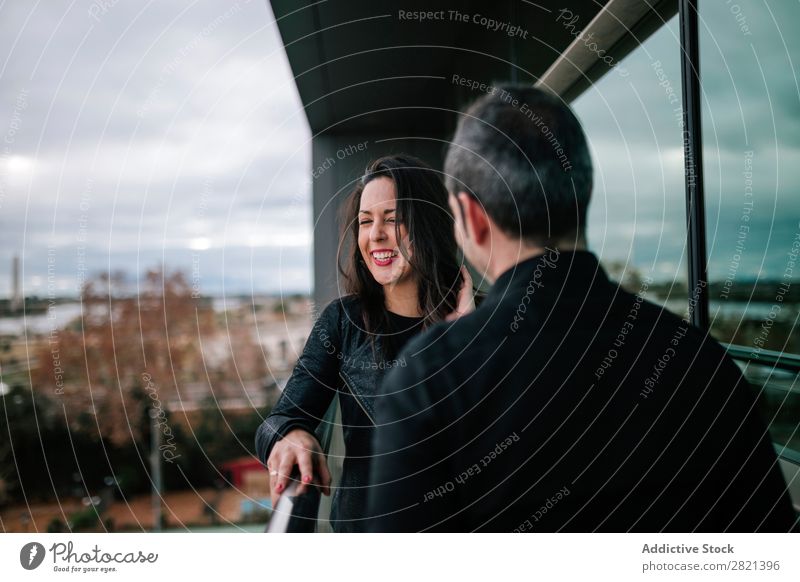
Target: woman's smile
(383, 257)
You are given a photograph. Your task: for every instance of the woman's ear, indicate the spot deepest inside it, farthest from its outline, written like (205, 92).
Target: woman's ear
(476, 221)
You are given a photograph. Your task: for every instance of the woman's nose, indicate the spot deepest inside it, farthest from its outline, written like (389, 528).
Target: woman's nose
(378, 232)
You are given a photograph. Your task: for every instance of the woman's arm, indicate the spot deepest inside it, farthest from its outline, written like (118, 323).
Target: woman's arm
(307, 394)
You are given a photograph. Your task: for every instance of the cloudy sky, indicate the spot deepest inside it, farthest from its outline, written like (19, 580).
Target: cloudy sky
(153, 131)
(751, 104)
(135, 134)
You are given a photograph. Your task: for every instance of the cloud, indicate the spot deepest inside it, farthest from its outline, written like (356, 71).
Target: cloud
(151, 129)
(751, 103)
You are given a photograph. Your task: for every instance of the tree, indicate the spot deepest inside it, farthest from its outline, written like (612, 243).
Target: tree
(149, 340)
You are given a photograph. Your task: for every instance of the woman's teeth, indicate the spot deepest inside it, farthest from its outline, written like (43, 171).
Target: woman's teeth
(384, 258)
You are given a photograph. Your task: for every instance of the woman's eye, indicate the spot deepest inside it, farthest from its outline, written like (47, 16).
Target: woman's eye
(365, 222)
(390, 220)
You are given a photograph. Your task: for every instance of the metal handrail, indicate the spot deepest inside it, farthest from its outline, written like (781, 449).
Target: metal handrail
(787, 454)
(780, 360)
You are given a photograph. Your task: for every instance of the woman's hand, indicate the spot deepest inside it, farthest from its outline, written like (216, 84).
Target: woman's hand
(466, 299)
(301, 448)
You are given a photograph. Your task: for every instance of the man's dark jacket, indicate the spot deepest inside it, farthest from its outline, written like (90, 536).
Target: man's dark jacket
(566, 404)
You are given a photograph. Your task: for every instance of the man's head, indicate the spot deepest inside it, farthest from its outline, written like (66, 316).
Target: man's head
(519, 176)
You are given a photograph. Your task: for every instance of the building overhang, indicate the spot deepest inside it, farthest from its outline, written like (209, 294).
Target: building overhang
(377, 67)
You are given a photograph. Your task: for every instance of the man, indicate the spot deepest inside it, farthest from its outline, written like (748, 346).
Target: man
(562, 403)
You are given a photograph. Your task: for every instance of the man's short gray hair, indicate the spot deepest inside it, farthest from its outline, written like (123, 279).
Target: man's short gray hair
(523, 154)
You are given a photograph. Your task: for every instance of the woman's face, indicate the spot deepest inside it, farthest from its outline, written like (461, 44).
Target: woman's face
(377, 237)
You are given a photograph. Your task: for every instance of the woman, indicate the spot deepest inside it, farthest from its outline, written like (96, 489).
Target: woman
(402, 275)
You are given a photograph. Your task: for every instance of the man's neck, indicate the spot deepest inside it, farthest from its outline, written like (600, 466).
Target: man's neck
(516, 252)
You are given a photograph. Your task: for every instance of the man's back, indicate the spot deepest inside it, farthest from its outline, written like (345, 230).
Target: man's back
(564, 403)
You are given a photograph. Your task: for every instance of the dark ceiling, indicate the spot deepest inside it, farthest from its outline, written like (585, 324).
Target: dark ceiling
(362, 67)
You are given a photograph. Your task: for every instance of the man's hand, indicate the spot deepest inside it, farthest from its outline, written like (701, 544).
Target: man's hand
(298, 447)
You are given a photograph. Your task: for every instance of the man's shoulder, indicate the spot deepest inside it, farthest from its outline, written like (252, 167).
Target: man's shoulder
(661, 317)
(447, 341)
(433, 366)
(664, 327)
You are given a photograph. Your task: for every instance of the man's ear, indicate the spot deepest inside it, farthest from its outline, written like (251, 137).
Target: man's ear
(476, 221)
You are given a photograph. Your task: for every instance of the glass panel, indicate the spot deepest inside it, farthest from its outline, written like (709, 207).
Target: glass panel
(632, 117)
(750, 53)
(780, 404)
(749, 57)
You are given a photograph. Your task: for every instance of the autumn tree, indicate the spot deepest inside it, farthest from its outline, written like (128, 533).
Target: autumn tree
(136, 344)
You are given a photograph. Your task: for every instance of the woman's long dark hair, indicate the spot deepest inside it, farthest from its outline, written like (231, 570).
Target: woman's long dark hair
(422, 207)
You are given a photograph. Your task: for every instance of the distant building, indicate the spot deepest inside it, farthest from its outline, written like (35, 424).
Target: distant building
(16, 293)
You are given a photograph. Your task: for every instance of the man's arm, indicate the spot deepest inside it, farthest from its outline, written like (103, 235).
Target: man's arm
(410, 473)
